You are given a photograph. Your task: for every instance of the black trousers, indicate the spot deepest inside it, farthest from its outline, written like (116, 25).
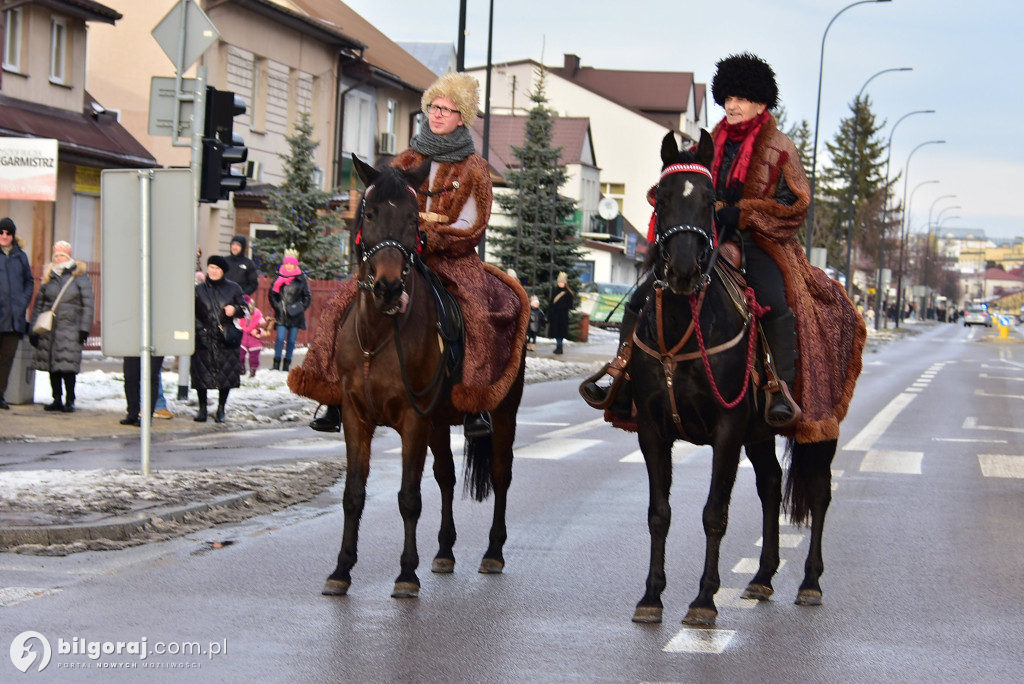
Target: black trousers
(133, 386)
(8, 348)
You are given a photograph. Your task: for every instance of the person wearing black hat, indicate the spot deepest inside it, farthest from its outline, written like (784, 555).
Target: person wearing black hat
(241, 269)
(16, 286)
(215, 363)
(762, 197)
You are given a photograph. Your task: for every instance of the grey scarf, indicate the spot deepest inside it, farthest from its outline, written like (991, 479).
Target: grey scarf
(446, 149)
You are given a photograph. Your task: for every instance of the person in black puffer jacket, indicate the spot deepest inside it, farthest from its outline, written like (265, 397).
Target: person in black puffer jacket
(290, 297)
(215, 364)
(241, 268)
(16, 286)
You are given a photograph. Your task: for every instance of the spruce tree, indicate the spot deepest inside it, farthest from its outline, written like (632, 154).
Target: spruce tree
(302, 214)
(541, 241)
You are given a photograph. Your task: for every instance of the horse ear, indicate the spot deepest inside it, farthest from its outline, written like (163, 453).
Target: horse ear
(416, 176)
(669, 149)
(705, 149)
(366, 173)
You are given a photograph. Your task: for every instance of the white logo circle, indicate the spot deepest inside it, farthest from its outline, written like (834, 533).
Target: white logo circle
(22, 655)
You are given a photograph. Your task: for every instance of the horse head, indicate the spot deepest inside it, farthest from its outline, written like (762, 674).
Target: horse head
(389, 237)
(684, 205)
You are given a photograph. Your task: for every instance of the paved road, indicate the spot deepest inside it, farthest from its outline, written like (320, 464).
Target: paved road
(923, 551)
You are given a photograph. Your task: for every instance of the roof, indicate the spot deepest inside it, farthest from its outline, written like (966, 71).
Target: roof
(1000, 274)
(86, 10)
(380, 51)
(438, 56)
(90, 137)
(301, 21)
(570, 133)
(961, 234)
(661, 96)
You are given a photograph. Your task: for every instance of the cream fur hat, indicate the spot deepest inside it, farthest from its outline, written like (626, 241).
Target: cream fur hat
(462, 89)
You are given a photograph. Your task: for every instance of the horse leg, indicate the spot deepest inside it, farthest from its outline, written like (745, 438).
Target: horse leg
(703, 612)
(657, 452)
(768, 473)
(410, 503)
(809, 487)
(504, 434)
(357, 447)
(444, 475)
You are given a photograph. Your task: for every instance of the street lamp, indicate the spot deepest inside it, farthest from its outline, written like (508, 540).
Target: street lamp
(903, 223)
(817, 117)
(928, 244)
(885, 205)
(853, 177)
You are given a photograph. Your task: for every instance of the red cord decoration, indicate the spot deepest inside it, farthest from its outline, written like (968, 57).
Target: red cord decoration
(757, 311)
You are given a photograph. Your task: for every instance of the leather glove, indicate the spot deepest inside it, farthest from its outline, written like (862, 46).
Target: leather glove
(728, 220)
(33, 339)
(82, 336)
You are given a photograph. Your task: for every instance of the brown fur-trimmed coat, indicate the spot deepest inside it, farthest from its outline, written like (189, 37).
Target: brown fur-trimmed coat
(495, 306)
(830, 331)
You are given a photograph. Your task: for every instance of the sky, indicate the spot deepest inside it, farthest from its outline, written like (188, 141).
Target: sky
(960, 53)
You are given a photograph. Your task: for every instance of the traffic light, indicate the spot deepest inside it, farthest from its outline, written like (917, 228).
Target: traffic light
(221, 147)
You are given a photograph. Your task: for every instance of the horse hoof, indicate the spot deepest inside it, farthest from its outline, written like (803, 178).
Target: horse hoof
(647, 614)
(700, 617)
(761, 592)
(490, 566)
(335, 588)
(406, 590)
(443, 565)
(808, 597)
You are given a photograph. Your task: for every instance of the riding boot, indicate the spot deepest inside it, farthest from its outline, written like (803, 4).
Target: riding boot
(286, 364)
(222, 402)
(277, 364)
(477, 424)
(201, 415)
(781, 410)
(601, 397)
(69, 392)
(329, 422)
(57, 387)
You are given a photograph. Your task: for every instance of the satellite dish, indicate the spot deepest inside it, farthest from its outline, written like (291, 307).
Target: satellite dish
(608, 208)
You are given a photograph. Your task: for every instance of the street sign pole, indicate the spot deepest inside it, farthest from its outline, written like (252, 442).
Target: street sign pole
(145, 319)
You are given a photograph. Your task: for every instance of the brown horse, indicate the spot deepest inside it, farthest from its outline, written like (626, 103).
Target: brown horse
(392, 353)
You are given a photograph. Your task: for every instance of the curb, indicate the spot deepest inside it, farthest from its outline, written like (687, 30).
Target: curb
(117, 528)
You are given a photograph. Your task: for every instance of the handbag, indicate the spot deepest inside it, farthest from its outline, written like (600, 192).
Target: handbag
(230, 334)
(294, 309)
(44, 321)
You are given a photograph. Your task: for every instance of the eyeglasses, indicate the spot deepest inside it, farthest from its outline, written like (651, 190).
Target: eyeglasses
(445, 112)
(4, 231)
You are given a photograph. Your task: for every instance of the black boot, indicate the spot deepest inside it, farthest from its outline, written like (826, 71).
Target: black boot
(201, 415)
(780, 335)
(277, 364)
(596, 395)
(222, 403)
(477, 425)
(286, 364)
(57, 388)
(69, 393)
(329, 422)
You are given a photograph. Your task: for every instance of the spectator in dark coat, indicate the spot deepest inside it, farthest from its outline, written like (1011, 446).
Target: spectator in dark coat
(16, 286)
(561, 303)
(537, 322)
(215, 365)
(290, 297)
(241, 268)
(59, 352)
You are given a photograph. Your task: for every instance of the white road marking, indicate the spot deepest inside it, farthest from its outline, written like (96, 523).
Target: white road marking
(1001, 465)
(1008, 378)
(573, 429)
(971, 423)
(886, 461)
(681, 453)
(12, 595)
(864, 439)
(749, 566)
(983, 393)
(555, 449)
(786, 541)
(690, 640)
(969, 441)
(733, 598)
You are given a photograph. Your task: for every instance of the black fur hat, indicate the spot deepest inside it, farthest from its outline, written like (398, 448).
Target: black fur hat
(747, 76)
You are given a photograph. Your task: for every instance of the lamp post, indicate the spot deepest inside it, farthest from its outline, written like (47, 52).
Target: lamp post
(817, 118)
(903, 223)
(928, 243)
(853, 177)
(939, 219)
(879, 319)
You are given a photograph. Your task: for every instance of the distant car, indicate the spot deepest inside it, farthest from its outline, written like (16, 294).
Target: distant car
(604, 302)
(977, 315)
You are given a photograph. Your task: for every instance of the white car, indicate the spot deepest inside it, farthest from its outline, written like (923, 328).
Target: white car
(977, 315)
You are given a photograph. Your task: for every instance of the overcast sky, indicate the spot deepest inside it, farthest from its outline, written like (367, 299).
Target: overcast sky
(964, 57)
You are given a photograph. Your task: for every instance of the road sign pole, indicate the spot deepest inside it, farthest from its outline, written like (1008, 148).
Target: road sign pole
(145, 327)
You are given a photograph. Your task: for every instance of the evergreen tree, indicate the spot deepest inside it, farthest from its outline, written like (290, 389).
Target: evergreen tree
(540, 242)
(852, 189)
(302, 214)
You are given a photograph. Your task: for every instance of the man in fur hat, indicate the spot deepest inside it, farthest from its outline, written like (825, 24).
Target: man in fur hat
(455, 206)
(16, 285)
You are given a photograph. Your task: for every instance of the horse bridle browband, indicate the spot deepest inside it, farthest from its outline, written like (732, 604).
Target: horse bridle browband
(668, 233)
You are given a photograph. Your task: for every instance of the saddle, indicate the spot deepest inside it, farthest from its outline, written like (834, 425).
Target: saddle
(451, 329)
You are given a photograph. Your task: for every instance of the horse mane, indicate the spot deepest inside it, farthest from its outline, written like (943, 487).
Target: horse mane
(390, 183)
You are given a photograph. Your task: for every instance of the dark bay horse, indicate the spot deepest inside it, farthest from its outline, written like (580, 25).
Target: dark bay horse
(391, 353)
(691, 381)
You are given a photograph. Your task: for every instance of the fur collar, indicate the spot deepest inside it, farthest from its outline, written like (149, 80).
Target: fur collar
(79, 269)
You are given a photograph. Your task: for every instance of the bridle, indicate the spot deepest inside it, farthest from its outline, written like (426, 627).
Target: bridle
(368, 253)
(666, 234)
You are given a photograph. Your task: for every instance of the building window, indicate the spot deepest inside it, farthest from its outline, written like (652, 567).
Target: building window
(58, 51)
(12, 39)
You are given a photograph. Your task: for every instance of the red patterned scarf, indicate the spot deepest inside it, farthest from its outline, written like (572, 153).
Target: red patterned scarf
(746, 132)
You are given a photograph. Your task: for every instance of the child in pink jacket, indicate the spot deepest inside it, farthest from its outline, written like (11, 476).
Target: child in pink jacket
(253, 331)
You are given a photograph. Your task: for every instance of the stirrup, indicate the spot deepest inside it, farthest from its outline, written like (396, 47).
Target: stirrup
(615, 368)
(771, 391)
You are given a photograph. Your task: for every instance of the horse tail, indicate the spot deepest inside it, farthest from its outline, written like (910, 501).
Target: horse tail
(477, 467)
(808, 479)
